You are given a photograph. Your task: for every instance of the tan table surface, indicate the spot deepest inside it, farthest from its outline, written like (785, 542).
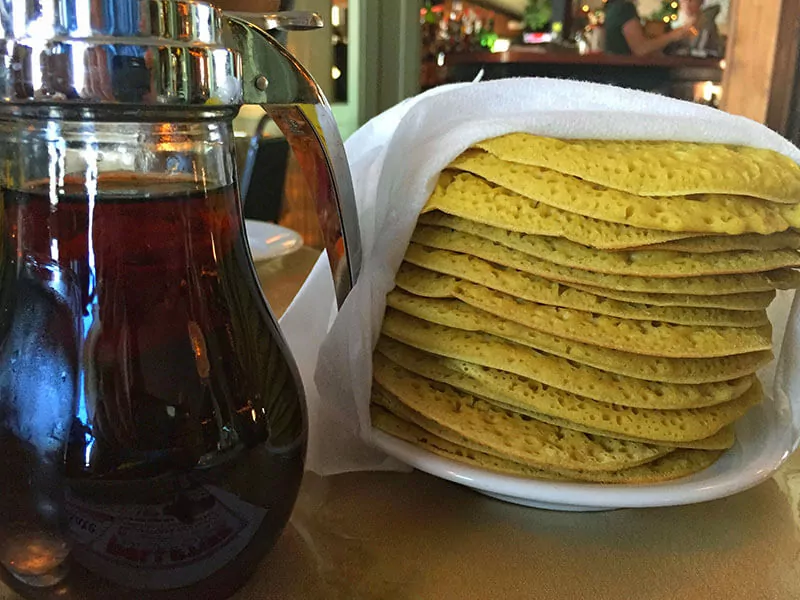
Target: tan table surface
(391, 536)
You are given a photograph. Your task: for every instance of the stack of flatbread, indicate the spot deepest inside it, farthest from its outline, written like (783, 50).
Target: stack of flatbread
(588, 310)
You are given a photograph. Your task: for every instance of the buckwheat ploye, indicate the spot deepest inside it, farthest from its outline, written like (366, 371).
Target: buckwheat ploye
(588, 310)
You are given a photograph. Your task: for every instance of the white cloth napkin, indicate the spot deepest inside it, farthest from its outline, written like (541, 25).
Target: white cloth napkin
(395, 160)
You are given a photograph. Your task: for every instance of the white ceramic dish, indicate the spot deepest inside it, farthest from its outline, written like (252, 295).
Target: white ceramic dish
(764, 441)
(268, 240)
(765, 438)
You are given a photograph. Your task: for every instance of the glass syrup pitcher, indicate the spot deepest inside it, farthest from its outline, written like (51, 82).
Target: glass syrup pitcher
(152, 422)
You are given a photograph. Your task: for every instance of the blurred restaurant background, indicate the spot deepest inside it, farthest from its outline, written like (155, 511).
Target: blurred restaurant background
(371, 54)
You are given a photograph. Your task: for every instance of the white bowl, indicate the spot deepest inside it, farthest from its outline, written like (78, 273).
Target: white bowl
(765, 437)
(268, 240)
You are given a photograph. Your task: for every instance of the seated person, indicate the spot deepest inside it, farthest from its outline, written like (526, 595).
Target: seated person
(625, 33)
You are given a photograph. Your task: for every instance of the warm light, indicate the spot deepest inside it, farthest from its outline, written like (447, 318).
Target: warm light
(674, 5)
(169, 141)
(335, 16)
(666, 19)
(585, 8)
(335, 72)
(501, 45)
(722, 64)
(710, 89)
(674, 17)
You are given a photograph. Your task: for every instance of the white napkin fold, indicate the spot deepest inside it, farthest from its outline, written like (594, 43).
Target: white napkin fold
(395, 160)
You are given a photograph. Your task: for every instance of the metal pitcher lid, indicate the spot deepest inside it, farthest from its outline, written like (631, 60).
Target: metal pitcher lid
(145, 52)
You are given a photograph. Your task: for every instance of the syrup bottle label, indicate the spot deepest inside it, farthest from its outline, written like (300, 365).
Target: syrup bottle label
(162, 546)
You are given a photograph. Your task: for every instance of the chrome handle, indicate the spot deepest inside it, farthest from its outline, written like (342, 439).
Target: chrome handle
(273, 78)
(288, 20)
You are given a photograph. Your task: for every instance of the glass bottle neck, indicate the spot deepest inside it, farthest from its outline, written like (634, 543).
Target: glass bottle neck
(91, 157)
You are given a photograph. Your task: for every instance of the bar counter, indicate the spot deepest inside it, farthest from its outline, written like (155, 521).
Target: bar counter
(652, 73)
(530, 55)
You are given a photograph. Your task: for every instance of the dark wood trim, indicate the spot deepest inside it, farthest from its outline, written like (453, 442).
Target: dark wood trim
(532, 55)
